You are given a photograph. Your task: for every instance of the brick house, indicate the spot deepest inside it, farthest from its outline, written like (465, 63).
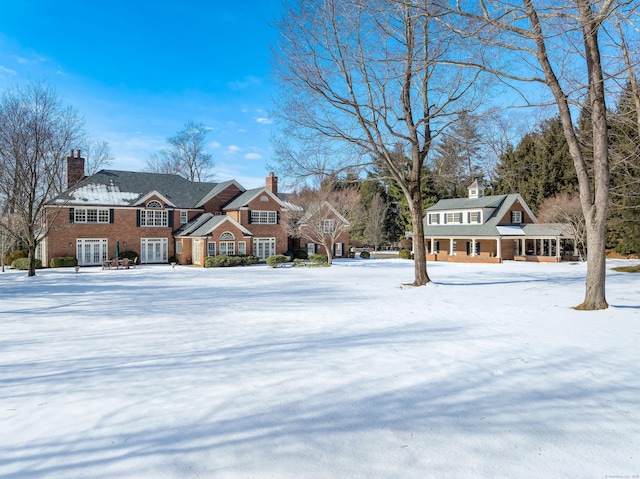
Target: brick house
(161, 216)
(490, 229)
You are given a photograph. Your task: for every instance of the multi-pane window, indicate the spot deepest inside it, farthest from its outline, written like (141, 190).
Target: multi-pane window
(434, 218)
(242, 247)
(227, 247)
(179, 247)
(328, 226)
(264, 217)
(184, 217)
(516, 216)
(153, 218)
(474, 217)
(454, 218)
(91, 215)
(211, 249)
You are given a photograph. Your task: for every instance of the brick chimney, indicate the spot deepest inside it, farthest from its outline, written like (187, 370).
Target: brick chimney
(75, 169)
(272, 183)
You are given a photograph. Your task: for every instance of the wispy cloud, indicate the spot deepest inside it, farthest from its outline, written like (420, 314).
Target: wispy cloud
(233, 149)
(252, 156)
(5, 72)
(264, 121)
(245, 83)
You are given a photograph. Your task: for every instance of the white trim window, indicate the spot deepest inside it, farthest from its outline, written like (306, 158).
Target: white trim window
(179, 247)
(211, 248)
(338, 247)
(184, 217)
(474, 217)
(434, 218)
(454, 218)
(264, 247)
(516, 217)
(91, 251)
(328, 226)
(264, 217)
(154, 218)
(153, 250)
(228, 248)
(91, 215)
(242, 247)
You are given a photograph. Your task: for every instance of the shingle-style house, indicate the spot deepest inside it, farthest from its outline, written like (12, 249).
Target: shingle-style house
(162, 216)
(491, 229)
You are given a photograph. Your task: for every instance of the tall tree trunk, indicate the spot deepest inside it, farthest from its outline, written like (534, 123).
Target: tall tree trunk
(419, 251)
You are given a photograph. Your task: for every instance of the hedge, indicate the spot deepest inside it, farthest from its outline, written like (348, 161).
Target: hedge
(223, 261)
(11, 256)
(63, 262)
(319, 258)
(23, 264)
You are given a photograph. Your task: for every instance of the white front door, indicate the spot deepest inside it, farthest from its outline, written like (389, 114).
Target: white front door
(264, 247)
(91, 251)
(153, 250)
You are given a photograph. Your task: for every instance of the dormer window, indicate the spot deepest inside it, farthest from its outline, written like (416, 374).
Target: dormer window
(453, 218)
(474, 217)
(434, 218)
(516, 217)
(154, 215)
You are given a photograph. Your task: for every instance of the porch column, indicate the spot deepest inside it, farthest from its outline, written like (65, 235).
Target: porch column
(550, 243)
(450, 246)
(473, 246)
(432, 245)
(523, 246)
(558, 249)
(499, 247)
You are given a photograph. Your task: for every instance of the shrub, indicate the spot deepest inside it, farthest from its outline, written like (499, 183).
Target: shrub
(63, 262)
(300, 254)
(248, 259)
(23, 263)
(365, 255)
(11, 256)
(277, 259)
(404, 254)
(222, 261)
(318, 258)
(130, 255)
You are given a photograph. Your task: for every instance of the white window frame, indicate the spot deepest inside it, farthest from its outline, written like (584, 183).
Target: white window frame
(211, 248)
(454, 218)
(263, 217)
(242, 247)
(178, 246)
(264, 247)
(516, 217)
(154, 218)
(91, 251)
(434, 218)
(91, 215)
(339, 249)
(311, 248)
(328, 226)
(146, 243)
(228, 248)
(474, 217)
(184, 217)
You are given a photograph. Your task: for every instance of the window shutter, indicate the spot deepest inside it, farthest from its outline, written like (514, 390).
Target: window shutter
(111, 215)
(468, 217)
(445, 218)
(249, 216)
(170, 218)
(277, 217)
(72, 215)
(138, 218)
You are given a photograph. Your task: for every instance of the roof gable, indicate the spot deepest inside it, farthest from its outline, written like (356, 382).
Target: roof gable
(205, 224)
(248, 196)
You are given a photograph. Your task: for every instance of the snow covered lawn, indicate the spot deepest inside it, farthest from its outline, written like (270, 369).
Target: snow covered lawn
(338, 372)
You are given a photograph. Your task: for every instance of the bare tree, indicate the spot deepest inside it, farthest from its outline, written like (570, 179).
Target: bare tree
(324, 215)
(97, 155)
(557, 45)
(359, 77)
(185, 154)
(376, 214)
(36, 132)
(565, 208)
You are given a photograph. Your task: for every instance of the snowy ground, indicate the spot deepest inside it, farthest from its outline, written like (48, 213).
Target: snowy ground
(337, 372)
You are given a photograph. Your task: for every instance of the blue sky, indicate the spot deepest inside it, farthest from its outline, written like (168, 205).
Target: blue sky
(138, 70)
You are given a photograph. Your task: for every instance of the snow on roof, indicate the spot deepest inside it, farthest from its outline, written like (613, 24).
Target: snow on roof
(100, 194)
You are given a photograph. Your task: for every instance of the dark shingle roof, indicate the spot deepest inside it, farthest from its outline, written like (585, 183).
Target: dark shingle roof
(125, 188)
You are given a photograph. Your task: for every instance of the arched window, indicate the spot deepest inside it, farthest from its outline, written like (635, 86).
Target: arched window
(154, 204)
(227, 236)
